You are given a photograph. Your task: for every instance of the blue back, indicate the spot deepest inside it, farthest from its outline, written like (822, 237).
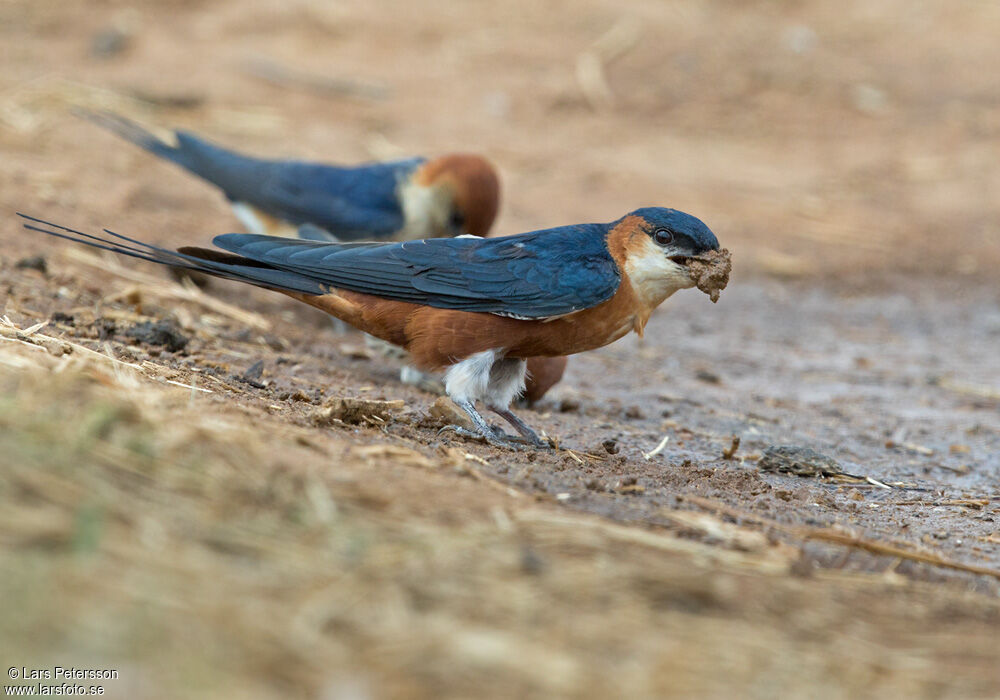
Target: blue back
(349, 202)
(532, 275)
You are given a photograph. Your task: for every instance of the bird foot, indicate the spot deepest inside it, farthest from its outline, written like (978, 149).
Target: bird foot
(497, 439)
(527, 435)
(541, 443)
(494, 435)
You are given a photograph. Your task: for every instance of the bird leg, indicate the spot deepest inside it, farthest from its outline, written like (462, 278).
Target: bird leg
(529, 435)
(496, 380)
(486, 432)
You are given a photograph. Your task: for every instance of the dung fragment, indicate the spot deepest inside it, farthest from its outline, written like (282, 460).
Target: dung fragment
(798, 461)
(710, 272)
(35, 262)
(163, 333)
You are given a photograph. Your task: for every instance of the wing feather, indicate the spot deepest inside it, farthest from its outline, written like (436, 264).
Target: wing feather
(351, 203)
(534, 275)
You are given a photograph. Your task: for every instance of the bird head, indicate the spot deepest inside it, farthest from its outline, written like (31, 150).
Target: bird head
(657, 244)
(678, 235)
(467, 191)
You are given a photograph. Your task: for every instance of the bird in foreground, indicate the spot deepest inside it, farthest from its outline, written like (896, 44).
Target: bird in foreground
(475, 308)
(452, 195)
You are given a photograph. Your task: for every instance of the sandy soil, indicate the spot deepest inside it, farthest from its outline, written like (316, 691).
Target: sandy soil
(227, 539)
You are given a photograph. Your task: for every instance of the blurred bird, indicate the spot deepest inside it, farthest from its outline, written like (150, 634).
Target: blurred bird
(476, 308)
(452, 195)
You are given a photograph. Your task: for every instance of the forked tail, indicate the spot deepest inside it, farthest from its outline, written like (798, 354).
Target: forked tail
(211, 262)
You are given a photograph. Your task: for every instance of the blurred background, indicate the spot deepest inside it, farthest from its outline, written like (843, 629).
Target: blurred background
(815, 139)
(221, 546)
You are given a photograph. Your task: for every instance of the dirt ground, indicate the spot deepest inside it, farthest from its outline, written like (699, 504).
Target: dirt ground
(188, 514)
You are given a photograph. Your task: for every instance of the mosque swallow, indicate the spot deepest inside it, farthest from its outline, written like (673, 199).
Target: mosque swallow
(415, 198)
(475, 308)
(398, 200)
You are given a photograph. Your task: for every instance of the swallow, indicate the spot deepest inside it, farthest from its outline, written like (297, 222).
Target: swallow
(453, 195)
(415, 198)
(476, 308)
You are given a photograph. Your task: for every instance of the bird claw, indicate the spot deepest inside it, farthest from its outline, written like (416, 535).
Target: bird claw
(499, 439)
(536, 442)
(531, 440)
(545, 443)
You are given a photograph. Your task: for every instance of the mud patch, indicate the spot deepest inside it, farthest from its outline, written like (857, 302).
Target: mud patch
(710, 272)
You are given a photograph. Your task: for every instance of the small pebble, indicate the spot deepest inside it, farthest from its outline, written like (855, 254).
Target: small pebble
(707, 377)
(110, 42)
(569, 406)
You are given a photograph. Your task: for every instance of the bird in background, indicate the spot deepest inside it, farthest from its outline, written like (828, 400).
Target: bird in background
(451, 195)
(475, 308)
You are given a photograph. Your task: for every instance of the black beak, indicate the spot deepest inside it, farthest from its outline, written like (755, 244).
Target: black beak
(682, 259)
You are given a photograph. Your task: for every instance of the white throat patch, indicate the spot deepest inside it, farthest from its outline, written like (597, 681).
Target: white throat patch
(653, 275)
(426, 211)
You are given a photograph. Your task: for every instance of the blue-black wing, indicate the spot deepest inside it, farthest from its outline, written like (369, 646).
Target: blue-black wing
(350, 202)
(311, 232)
(533, 275)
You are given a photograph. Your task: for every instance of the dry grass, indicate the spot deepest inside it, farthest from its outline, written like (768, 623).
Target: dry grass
(224, 554)
(817, 142)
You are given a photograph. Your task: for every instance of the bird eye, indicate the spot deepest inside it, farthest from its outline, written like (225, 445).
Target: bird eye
(456, 221)
(663, 236)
